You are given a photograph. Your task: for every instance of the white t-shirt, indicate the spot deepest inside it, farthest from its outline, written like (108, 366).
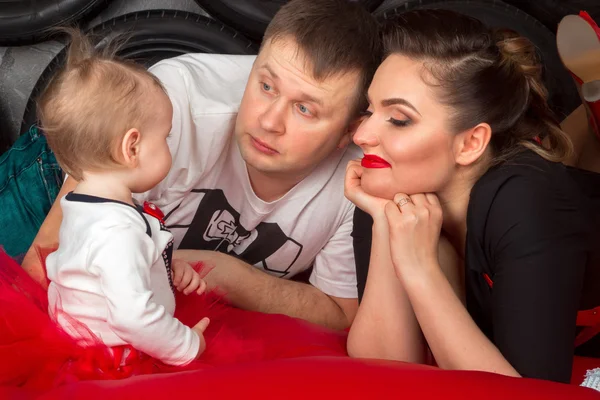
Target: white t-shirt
(208, 198)
(112, 272)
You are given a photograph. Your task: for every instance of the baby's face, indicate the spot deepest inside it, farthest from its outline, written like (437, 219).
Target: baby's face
(155, 156)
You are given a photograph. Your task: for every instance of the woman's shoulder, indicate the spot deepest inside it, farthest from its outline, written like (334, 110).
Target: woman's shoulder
(528, 165)
(531, 193)
(526, 176)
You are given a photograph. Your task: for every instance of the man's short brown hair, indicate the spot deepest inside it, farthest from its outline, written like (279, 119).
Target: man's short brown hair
(336, 37)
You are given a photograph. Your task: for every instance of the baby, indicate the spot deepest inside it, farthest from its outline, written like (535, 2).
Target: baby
(108, 123)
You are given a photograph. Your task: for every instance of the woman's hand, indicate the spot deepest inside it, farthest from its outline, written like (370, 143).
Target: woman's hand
(354, 192)
(415, 224)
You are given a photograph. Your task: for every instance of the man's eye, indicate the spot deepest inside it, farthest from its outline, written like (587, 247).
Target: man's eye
(266, 87)
(303, 109)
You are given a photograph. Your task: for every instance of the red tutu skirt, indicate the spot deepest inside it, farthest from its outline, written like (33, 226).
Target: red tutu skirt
(37, 353)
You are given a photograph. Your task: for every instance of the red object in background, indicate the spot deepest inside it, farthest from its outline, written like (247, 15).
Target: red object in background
(593, 106)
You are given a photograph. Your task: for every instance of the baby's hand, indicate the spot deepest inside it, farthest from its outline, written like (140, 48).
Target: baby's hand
(185, 279)
(199, 328)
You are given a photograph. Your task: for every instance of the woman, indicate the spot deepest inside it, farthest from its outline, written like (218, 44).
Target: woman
(453, 135)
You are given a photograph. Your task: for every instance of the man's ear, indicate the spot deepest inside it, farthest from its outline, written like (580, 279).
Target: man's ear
(470, 145)
(350, 131)
(130, 148)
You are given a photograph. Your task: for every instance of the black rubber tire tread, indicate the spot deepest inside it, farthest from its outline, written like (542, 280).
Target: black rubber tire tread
(251, 17)
(5, 137)
(563, 94)
(116, 8)
(550, 12)
(153, 36)
(28, 21)
(20, 69)
(174, 31)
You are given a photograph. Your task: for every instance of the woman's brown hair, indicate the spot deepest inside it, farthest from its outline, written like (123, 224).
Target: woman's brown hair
(486, 76)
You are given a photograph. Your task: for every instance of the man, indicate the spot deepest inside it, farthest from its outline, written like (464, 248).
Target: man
(259, 151)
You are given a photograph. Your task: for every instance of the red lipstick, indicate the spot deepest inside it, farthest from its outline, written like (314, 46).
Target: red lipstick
(373, 161)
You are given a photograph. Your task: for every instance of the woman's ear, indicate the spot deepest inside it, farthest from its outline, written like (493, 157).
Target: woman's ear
(130, 148)
(471, 144)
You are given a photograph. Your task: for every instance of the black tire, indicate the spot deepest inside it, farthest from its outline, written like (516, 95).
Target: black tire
(550, 12)
(27, 21)
(22, 66)
(20, 69)
(160, 34)
(116, 8)
(5, 135)
(497, 14)
(252, 16)
(154, 36)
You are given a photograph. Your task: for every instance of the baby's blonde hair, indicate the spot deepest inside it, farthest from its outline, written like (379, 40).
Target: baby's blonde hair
(91, 103)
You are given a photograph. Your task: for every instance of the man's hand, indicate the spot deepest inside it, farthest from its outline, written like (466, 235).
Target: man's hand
(249, 288)
(185, 279)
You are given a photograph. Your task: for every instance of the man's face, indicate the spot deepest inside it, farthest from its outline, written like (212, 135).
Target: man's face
(289, 122)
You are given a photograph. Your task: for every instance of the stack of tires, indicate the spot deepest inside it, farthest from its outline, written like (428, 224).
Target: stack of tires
(158, 29)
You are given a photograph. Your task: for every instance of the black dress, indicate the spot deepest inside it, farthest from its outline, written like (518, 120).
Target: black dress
(531, 261)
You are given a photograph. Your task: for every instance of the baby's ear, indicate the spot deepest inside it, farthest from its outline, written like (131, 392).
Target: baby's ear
(130, 148)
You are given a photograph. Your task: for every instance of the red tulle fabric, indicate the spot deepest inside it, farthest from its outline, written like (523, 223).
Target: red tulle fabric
(37, 354)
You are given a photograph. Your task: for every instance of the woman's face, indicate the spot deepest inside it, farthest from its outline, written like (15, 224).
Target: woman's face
(406, 138)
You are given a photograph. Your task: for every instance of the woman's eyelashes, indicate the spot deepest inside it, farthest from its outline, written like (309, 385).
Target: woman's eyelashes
(399, 122)
(396, 122)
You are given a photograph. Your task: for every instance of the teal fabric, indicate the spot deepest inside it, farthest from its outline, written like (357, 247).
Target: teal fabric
(30, 179)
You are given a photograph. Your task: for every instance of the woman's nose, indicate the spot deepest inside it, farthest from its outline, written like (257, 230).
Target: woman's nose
(365, 134)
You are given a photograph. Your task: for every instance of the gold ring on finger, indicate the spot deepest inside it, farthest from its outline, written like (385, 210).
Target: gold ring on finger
(403, 201)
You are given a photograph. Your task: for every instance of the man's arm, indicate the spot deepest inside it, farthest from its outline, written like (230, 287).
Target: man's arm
(47, 236)
(249, 288)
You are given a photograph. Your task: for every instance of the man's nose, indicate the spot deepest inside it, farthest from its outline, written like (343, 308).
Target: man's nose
(273, 117)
